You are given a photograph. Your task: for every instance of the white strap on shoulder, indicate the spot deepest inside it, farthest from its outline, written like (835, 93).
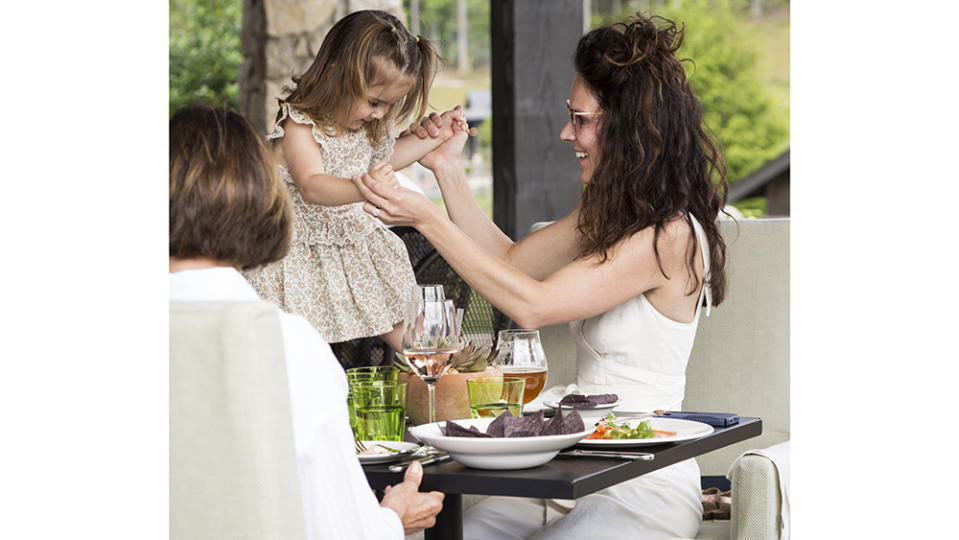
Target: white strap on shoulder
(707, 291)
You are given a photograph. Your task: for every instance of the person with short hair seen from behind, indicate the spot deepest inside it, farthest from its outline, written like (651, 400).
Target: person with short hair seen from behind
(235, 359)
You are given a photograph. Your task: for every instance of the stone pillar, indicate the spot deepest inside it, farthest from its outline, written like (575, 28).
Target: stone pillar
(280, 39)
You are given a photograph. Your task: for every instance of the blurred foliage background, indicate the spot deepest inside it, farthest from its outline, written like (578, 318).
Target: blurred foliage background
(738, 53)
(205, 53)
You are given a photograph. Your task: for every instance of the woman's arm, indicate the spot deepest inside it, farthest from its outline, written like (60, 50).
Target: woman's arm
(538, 254)
(579, 289)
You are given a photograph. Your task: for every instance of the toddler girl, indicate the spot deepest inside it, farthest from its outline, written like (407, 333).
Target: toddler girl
(346, 272)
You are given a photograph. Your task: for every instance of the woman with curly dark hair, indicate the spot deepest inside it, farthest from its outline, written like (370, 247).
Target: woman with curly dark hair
(630, 268)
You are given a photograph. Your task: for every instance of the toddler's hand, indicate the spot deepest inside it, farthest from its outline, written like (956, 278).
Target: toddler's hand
(383, 173)
(443, 126)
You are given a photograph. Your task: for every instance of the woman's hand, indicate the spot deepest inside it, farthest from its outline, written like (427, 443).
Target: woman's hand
(394, 205)
(441, 125)
(417, 510)
(447, 154)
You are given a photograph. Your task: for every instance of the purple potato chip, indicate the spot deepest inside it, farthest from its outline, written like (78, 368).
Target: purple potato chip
(496, 427)
(524, 426)
(575, 400)
(579, 401)
(603, 399)
(554, 426)
(455, 430)
(573, 423)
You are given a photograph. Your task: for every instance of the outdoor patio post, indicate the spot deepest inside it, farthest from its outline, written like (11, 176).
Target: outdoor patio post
(535, 175)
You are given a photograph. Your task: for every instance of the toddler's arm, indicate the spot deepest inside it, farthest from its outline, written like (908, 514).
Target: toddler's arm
(410, 148)
(304, 160)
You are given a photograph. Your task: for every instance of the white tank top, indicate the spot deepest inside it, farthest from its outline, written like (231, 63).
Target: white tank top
(636, 352)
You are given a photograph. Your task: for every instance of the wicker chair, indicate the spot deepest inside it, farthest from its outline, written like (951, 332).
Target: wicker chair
(481, 321)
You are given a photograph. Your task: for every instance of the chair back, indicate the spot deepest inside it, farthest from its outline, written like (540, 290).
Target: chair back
(481, 321)
(740, 359)
(233, 466)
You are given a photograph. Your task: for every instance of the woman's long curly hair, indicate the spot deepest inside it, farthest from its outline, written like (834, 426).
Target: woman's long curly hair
(657, 161)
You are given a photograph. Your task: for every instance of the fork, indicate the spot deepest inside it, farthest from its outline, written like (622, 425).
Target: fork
(360, 447)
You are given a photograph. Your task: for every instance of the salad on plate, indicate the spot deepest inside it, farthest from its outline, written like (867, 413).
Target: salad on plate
(609, 428)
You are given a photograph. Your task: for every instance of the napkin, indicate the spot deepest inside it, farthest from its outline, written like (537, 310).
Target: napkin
(716, 419)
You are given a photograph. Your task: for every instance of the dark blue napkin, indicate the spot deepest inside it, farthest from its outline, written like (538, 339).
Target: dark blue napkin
(716, 419)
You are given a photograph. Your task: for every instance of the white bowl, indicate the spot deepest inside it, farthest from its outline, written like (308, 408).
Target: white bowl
(496, 452)
(590, 415)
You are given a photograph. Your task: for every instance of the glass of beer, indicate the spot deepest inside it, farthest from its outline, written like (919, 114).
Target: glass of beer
(519, 353)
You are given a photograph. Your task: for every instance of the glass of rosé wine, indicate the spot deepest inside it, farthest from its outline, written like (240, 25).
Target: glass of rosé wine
(430, 337)
(519, 353)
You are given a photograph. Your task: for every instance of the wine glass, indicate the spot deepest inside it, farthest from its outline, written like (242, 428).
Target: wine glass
(430, 337)
(519, 353)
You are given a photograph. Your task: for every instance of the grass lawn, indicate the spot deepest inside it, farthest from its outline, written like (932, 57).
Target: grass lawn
(772, 32)
(485, 201)
(450, 87)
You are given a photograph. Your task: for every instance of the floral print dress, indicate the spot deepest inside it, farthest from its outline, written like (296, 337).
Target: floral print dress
(346, 272)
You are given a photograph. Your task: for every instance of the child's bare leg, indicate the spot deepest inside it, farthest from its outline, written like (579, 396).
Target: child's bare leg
(394, 338)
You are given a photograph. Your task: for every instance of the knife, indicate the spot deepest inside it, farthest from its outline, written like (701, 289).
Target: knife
(428, 461)
(644, 456)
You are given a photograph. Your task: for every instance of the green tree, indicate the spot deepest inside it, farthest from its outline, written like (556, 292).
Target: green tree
(205, 53)
(724, 73)
(722, 51)
(438, 22)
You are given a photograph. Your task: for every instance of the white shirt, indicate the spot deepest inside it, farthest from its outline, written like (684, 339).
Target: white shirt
(337, 501)
(638, 353)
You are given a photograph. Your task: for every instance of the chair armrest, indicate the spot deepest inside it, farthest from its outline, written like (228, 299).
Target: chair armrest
(757, 503)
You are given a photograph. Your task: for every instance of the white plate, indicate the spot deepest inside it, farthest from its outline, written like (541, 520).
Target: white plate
(496, 452)
(589, 414)
(555, 405)
(685, 430)
(405, 449)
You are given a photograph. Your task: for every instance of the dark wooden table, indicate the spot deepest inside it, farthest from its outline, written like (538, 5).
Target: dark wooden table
(561, 478)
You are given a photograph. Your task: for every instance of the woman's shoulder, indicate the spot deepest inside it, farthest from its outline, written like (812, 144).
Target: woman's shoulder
(671, 243)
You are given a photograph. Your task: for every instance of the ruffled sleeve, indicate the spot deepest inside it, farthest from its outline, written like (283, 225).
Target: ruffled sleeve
(300, 118)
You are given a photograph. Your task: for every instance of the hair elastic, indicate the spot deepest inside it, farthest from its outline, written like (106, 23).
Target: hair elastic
(417, 38)
(393, 29)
